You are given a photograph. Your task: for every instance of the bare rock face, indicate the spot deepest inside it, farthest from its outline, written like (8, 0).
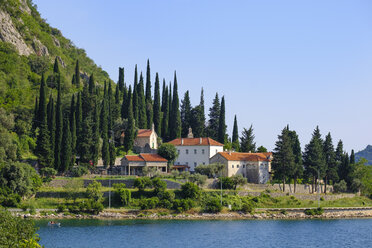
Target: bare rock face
(8, 33)
(56, 41)
(39, 48)
(61, 61)
(24, 7)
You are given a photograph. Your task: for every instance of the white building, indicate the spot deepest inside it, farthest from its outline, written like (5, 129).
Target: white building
(256, 167)
(195, 151)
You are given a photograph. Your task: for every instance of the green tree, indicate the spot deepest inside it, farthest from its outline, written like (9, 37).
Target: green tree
(247, 143)
(51, 123)
(190, 190)
(314, 161)
(77, 74)
(214, 117)
(159, 185)
(73, 123)
(261, 149)
(121, 79)
(93, 191)
(92, 84)
(148, 98)
(85, 150)
(352, 157)
(297, 170)
(238, 180)
(197, 121)
(142, 182)
(135, 101)
(66, 152)
(175, 120)
(125, 104)
(284, 160)
(330, 160)
(221, 123)
(185, 114)
(168, 151)
(56, 67)
(202, 113)
(59, 129)
(142, 119)
(96, 136)
(129, 131)
(164, 97)
(164, 124)
(157, 110)
(235, 136)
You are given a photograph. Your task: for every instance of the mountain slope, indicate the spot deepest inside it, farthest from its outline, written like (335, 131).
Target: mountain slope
(366, 153)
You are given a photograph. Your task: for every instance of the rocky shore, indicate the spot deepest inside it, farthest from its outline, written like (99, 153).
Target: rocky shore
(263, 215)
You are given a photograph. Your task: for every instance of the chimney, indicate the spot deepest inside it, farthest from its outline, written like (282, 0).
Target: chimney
(229, 152)
(200, 140)
(181, 141)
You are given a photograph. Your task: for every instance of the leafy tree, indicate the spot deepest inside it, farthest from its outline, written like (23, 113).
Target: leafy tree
(362, 178)
(284, 160)
(261, 149)
(185, 114)
(222, 123)
(66, 152)
(168, 151)
(48, 173)
(214, 116)
(247, 143)
(227, 182)
(213, 205)
(197, 178)
(159, 185)
(175, 119)
(190, 190)
(238, 180)
(235, 136)
(93, 191)
(210, 170)
(142, 182)
(314, 160)
(123, 194)
(157, 110)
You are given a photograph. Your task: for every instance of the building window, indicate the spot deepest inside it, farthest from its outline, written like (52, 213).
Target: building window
(178, 152)
(243, 165)
(203, 151)
(187, 163)
(195, 151)
(232, 166)
(237, 166)
(194, 164)
(187, 151)
(204, 163)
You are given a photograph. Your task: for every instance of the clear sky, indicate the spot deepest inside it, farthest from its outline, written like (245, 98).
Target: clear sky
(302, 63)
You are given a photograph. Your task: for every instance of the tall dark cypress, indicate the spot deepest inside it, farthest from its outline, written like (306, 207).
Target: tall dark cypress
(91, 84)
(96, 135)
(43, 149)
(135, 97)
(235, 136)
(56, 67)
(352, 157)
(157, 107)
(111, 103)
(124, 107)
(59, 129)
(175, 121)
(112, 151)
(214, 116)
(51, 122)
(78, 118)
(330, 161)
(163, 97)
(121, 79)
(86, 139)
(104, 132)
(66, 152)
(185, 114)
(148, 98)
(129, 131)
(73, 123)
(116, 105)
(164, 123)
(35, 121)
(222, 123)
(202, 108)
(170, 108)
(142, 118)
(77, 74)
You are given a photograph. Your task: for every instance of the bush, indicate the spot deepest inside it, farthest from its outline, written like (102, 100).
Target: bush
(94, 191)
(198, 179)
(340, 187)
(213, 206)
(182, 205)
(9, 199)
(209, 170)
(149, 203)
(247, 208)
(314, 211)
(159, 185)
(61, 208)
(227, 183)
(79, 171)
(142, 182)
(48, 173)
(190, 190)
(91, 207)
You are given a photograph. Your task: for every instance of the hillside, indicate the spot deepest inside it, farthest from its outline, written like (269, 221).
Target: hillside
(28, 48)
(366, 153)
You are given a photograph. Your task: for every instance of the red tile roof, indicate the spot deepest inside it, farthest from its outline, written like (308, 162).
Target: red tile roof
(144, 133)
(145, 157)
(195, 142)
(241, 156)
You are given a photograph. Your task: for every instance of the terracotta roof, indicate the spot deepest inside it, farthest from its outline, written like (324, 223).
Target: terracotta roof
(144, 133)
(134, 158)
(152, 157)
(195, 142)
(242, 156)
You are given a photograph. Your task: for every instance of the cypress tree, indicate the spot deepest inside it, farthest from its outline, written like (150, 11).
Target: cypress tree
(142, 120)
(56, 67)
(51, 122)
(164, 124)
(135, 97)
(91, 84)
(73, 123)
(222, 123)
(86, 101)
(235, 136)
(35, 121)
(330, 161)
(77, 74)
(314, 160)
(214, 117)
(121, 79)
(129, 131)
(175, 121)
(59, 129)
(43, 149)
(283, 158)
(124, 106)
(66, 153)
(169, 110)
(112, 152)
(297, 169)
(157, 110)
(96, 136)
(148, 98)
(197, 121)
(105, 150)
(116, 105)
(85, 149)
(352, 157)
(104, 133)
(247, 143)
(185, 114)
(202, 108)
(78, 117)
(164, 97)
(110, 106)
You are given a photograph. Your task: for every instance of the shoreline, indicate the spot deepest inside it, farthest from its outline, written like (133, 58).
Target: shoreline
(261, 215)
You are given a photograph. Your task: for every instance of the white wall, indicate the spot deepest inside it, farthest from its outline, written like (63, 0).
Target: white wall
(188, 156)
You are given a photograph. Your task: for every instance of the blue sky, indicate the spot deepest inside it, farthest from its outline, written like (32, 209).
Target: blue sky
(302, 63)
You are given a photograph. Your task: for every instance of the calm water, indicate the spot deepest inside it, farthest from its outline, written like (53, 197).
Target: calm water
(177, 233)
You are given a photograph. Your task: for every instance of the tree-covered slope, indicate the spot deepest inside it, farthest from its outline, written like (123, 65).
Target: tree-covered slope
(366, 153)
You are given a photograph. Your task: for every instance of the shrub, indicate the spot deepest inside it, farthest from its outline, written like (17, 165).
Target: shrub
(61, 208)
(142, 182)
(322, 198)
(94, 191)
(247, 208)
(213, 206)
(190, 190)
(166, 195)
(91, 207)
(79, 171)
(227, 183)
(122, 194)
(164, 203)
(198, 179)
(314, 211)
(48, 173)
(159, 185)
(9, 199)
(340, 187)
(181, 205)
(149, 203)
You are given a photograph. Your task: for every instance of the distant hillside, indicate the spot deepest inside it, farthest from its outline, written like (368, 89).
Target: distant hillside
(366, 153)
